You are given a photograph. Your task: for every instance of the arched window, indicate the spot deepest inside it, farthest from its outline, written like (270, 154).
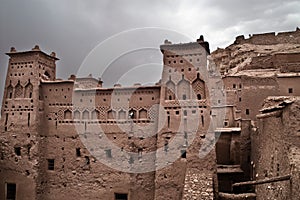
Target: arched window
(47, 75)
(85, 115)
(170, 91)
(199, 88)
(95, 114)
(122, 114)
(67, 114)
(76, 114)
(111, 114)
(9, 92)
(143, 114)
(132, 114)
(199, 96)
(183, 89)
(19, 91)
(28, 90)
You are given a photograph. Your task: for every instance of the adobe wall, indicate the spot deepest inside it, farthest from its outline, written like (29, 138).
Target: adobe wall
(20, 150)
(44, 119)
(245, 149)
(254, 91)
(185, 120)
(289, 85)
(271, 38)
(79, 175)
(274, 143)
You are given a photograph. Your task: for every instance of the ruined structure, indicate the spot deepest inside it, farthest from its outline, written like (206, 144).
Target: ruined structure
(201, 133)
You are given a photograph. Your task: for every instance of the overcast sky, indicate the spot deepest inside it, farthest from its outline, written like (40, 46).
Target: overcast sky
(73, 28)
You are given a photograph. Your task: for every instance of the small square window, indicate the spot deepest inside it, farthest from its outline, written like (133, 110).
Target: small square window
(108, 153)
(234, 85)
(183, 153)
(225, 123)
(18, 151)
(87, 160)
(121, 196)
(166, 147)
(11, 190)
(177, 112)
(247, 112)
(290, 90)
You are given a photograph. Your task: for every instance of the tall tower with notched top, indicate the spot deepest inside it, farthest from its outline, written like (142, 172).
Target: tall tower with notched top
(184, 101)
(21, 112)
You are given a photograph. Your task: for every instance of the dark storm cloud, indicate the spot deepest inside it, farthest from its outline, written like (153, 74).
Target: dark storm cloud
(72, 28)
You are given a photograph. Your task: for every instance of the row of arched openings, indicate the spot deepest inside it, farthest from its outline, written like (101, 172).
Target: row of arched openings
(110, 115)
(19, 91)
(185, 90)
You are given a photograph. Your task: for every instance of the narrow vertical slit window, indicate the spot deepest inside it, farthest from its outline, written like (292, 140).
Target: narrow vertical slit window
(28, 120)
(51, 164)
(6, 119)
(183, 153)
(78, 153)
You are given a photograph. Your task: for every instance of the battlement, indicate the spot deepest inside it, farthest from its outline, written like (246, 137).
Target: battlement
(35, 49)
(270, 38)
(168, 46)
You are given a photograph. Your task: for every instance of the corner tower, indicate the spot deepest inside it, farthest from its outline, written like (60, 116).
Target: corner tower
(20, 120)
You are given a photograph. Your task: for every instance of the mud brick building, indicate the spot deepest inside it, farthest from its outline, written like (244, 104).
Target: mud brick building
(223, 125)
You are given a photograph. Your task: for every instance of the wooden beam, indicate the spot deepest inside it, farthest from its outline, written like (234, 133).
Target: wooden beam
(263, 181)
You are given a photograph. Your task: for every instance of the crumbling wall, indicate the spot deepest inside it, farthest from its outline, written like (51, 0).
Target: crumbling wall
(271, 38)
(259, 52)
(273, 142)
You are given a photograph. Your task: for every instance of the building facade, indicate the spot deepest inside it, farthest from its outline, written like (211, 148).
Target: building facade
(193, 135)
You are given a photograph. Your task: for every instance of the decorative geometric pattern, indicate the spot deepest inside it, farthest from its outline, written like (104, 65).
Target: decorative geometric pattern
(19, 91)
(60, 115)
(199, 87)
(28, 90)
